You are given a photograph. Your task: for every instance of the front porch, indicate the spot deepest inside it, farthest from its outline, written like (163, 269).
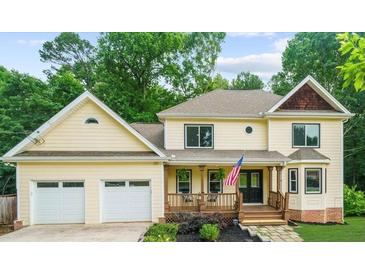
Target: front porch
(198, 196)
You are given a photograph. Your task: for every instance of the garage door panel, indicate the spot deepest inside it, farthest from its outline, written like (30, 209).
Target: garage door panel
(130, 201)
(56, 205)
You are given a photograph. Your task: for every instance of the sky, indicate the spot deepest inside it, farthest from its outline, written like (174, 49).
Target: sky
(257, 52)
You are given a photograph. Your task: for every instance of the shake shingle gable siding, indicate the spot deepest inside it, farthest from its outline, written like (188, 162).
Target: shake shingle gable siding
(225, 103)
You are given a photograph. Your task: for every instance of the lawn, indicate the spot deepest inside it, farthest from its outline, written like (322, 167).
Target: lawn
(352, 231)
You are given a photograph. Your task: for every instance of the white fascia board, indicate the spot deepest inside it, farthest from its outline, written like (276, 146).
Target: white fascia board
(308, 114)
(318, 88)
(324, 161)
(225, 163)
(83, 159)
(84, 96)
(210, 116)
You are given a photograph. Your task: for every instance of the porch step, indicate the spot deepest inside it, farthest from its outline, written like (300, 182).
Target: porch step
(246, 222)
(264, 217)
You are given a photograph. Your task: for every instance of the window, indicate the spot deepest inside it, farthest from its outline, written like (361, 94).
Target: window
(114, 184)
(248, 130)
(73, 184)
(214, 184)
(183, 182)
(139, 183)
(91, 121)
(47, 185)
(306, 135)
(199, 136)
(313, 181)
(255, 180)
(243, 180)
(293, 180)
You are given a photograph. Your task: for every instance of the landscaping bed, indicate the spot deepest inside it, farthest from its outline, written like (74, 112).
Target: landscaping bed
(199, 228)
(229, 234)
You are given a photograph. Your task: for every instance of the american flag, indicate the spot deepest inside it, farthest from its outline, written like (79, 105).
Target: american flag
(233, 175)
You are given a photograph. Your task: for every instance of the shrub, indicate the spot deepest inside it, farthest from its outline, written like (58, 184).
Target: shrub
(161, 233)
(209, 232)
(354, 201)
(189, 222)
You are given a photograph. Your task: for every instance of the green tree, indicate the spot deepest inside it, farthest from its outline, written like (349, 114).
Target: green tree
(69, 51)
(26, 103)
(218, 82)
(353, 70)
(247, 80)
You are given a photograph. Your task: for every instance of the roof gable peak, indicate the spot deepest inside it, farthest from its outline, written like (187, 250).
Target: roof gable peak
(319, 89)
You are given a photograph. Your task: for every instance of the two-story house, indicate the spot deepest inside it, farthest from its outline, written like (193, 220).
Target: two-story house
(87, 165)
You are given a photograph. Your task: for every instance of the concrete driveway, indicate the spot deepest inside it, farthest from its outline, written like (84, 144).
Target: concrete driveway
(113, 232)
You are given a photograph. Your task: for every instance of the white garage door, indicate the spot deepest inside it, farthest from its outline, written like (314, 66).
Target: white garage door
(59, 202)
(126, 201)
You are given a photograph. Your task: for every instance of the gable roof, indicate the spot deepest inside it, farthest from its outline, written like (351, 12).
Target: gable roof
(307, 154)
(225, 103)
(43, 129)
(310, 81)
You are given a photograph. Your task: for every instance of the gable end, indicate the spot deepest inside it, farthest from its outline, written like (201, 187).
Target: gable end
(306, 99)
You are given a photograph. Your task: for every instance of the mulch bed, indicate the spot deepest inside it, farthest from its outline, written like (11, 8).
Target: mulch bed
(229, 234)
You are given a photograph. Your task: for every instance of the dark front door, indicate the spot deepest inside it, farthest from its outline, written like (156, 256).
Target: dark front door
(250, 184)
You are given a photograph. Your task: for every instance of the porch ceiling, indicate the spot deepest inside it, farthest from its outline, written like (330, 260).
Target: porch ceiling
(211, 156)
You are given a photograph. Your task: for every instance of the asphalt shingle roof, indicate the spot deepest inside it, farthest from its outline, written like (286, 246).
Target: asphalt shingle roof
(225, 103)
(307, 154)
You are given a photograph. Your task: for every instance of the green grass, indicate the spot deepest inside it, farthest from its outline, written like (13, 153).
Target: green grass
(352, 231)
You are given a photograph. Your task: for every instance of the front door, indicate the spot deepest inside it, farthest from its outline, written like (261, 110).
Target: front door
(250, 184)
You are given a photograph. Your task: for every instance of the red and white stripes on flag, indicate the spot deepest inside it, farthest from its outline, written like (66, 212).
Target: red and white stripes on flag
(233, 175)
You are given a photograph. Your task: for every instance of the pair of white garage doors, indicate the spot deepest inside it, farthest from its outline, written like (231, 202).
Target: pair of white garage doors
(64, 202)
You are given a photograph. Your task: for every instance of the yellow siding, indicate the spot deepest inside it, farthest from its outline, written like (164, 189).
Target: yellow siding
(73, 134)
(228, 134)
(330, 146)
(196, 186)
(91, 174)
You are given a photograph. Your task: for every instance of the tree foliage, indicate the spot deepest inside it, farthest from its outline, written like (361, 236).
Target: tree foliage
(247, 80)
(68, 51)
(353, 70)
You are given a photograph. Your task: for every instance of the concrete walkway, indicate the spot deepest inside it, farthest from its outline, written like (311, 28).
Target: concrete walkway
(278, 233)
(113, 232)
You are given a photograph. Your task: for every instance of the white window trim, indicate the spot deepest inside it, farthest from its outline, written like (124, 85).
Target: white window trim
(189, 181)
(305, 134)
(220, 182)
(290, 180)
(320, 181)
(198, 126)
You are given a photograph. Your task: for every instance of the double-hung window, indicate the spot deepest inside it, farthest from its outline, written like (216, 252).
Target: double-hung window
(198, 136)
(313, 180)
(293, 180)
(183, 182)
(214, 184)
(306, 135)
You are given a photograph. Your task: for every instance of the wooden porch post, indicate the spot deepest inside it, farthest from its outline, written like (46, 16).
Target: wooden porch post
(201, 202)
(166, 187)
(270, 168)
(279, 170)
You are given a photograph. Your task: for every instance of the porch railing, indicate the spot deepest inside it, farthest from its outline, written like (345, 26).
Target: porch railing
(183, 202)
(202, 202)
(280, 202)
(220, 201)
